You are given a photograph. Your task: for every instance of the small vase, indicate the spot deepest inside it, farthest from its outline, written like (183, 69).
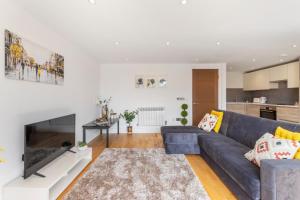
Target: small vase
(129, 130)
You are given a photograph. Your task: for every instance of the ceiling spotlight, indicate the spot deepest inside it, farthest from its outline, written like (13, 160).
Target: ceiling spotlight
(294, 45)
(92, 2)
(183, 2)
(168, 43)
(253, 60)
(117, 43)
(218, 43)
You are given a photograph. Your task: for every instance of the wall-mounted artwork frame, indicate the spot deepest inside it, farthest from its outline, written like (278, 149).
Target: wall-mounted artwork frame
(28, 61)
(147, 81)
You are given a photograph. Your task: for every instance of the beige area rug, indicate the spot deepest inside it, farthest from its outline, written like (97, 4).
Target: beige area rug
(138, 174)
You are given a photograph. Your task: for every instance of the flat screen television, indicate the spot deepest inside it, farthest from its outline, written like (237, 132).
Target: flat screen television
(46, 140)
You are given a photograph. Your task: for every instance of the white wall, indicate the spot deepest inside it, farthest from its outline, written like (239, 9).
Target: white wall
(26, 102)
(235, 80)
(118, 81)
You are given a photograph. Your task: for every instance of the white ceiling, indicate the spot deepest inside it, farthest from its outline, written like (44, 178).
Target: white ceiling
(247, 29)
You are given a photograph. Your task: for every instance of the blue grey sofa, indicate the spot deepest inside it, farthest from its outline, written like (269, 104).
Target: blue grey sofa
(224, 152)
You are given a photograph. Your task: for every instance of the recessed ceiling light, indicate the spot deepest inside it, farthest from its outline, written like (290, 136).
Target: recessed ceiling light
(126, 59)
(253, 60)
(168, 43)
(183, 2)
(294, 45)
(117, 43)
(218, 43)
(281, 60)
(92, 2)
(197, 59)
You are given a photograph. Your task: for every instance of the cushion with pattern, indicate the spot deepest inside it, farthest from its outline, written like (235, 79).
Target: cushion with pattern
(208, 122)
(269, 147)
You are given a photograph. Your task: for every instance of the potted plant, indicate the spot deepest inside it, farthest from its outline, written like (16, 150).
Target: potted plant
(129, 117)
(82, 146)
(184, 114)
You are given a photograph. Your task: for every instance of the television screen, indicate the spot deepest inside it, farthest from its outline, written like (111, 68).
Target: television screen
(46, 140)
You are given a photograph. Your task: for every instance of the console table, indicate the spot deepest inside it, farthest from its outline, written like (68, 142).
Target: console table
(94, 125)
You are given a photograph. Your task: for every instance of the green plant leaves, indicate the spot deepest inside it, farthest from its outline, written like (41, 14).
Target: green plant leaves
(184, 106)
(184, 121)
(184, 113)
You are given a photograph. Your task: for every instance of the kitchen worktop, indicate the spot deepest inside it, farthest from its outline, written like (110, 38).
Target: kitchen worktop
(265, 104)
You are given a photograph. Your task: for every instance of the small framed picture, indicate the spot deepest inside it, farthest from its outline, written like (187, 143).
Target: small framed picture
(139, 82)
(150, 82)
(162, 82)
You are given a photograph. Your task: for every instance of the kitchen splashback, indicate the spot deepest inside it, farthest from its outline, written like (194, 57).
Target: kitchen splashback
(274, 96)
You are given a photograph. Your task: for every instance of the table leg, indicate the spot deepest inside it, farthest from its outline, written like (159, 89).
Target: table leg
(118, 127)
(84, 135)
(107, 138)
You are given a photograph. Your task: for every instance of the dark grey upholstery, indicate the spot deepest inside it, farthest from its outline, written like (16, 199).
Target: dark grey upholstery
(229, 155)
(181, 139)
(280, 179)
(224, 152)
(247, 129)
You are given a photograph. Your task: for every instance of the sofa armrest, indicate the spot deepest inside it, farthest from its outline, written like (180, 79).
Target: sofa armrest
(280, 179)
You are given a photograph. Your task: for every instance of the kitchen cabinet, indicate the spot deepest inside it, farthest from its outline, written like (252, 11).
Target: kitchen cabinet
(253, 110)
(288, 114)
(266, 79)
(278, 73)
(237, 108)
(258, 80)
(293, 75)
(249, 81)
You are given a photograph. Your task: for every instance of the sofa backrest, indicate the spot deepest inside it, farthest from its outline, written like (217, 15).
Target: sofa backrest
(247, 129)
(225, 122)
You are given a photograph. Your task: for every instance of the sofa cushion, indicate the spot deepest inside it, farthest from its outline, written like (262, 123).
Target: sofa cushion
(225, 122)
(179, 129)
(229, 155)
(247, 129)
(181, 138)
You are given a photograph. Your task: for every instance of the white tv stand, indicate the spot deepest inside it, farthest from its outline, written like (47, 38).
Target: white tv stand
(59, 174)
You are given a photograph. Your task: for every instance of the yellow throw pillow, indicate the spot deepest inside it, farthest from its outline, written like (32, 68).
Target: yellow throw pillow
(219, 122)
(286, 134)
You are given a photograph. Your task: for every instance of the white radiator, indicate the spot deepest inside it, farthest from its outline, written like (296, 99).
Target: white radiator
(151, 116)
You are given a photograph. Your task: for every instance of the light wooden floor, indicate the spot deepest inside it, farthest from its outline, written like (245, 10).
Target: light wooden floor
(213, 185)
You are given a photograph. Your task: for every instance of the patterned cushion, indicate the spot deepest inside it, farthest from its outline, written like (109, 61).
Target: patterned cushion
(286, 134)
(208, 122)
(269, 147)
(219, 115)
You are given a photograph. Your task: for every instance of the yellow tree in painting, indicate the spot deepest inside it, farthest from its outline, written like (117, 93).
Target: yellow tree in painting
(16, 50)
(1, 159)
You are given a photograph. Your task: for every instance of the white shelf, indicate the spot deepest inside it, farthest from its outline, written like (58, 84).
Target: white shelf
(59, 174)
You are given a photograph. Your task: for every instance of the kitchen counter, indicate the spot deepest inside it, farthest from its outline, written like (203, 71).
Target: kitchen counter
(289, 113)
(265, 104)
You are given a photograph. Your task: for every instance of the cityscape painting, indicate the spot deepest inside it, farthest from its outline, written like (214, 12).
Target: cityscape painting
(25, 60)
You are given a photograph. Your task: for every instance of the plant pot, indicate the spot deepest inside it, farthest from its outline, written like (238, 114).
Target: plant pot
(129, 130)
(83, 148)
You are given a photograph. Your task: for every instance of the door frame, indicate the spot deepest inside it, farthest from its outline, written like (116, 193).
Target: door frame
(221, 67)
